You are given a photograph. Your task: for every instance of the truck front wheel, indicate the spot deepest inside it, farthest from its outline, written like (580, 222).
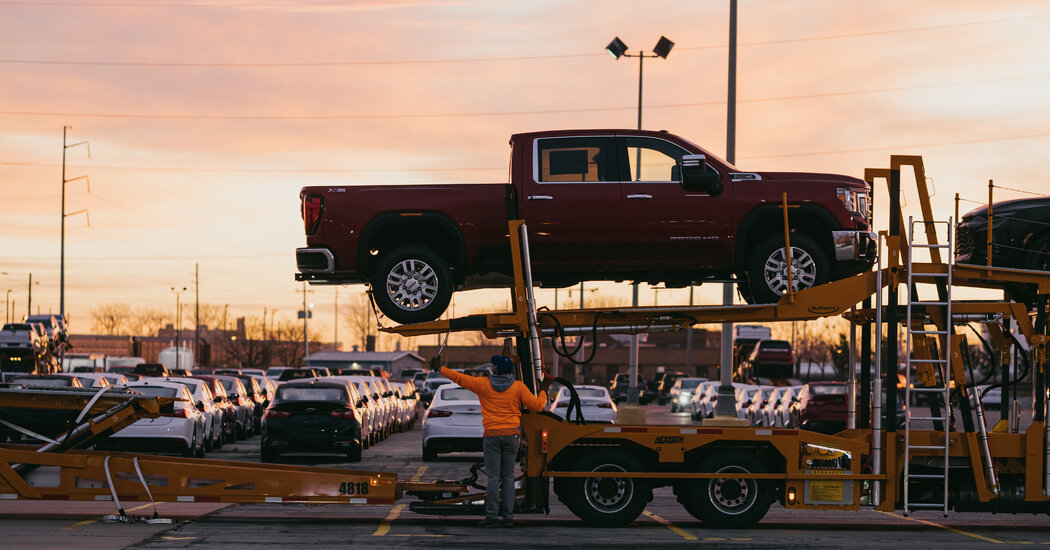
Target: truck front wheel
(412, 284)
(767, 267)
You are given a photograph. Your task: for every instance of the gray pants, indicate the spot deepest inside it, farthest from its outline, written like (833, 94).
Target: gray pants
(501, 453)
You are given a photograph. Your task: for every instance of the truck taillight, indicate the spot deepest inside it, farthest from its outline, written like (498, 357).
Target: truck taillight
(312, 207)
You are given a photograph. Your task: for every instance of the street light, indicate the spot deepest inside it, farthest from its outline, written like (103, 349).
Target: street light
(178, 323)
(618, 49)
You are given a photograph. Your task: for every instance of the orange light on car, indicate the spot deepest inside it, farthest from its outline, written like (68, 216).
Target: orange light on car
(543, 442)
(791, 495)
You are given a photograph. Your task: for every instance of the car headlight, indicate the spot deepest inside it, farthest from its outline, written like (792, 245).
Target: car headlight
(855, 201)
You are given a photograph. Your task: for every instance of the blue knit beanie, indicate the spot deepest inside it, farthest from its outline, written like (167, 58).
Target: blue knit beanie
(502, 364)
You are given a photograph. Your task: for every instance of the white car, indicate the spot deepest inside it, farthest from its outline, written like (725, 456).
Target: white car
(452, 423)
(182, 432)
(89, 379)
(596, 404)
(782, 417)
(202, 396)
(409, 402)
(682, 391)
(384, 404)
(700, 401)
(754, 405)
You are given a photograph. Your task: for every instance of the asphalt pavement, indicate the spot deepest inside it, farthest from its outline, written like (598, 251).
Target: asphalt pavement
(75, 525)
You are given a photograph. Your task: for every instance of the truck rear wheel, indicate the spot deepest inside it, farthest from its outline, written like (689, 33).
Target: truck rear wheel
(733, 503)
(412, 284)
(606, 501)
(767, 267)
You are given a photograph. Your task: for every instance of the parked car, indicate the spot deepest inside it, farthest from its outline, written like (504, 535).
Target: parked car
(297, 374)
(775, 412)
(620, 386)
(363, 407)
(312, 416)
(434, 381)
(274, 373)
(47, 380)
(699, 402)
(88, 379)
(755, 405)
(152, 369)
(770, 359)
(410, 399)
(664, 382)
(452, 423)
(182, 432)
(214, 415)
(1020, 239)
(682, 391)
(232, 392)
(707, 403)
(595, 403)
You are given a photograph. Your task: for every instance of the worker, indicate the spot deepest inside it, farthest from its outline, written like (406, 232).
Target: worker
(501, 398)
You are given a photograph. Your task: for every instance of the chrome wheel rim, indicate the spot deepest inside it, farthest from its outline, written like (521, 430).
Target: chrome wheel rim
(412, 284)
(732, 496)
(803, 270)
(608, 494)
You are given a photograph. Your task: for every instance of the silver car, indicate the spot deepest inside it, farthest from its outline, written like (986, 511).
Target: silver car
(183, 432)
(452, 423)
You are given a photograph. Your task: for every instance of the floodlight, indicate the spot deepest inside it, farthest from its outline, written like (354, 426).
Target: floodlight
(663, 47)
(617, 48)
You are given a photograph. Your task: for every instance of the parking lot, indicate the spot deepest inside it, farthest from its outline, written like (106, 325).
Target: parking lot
(75, 525)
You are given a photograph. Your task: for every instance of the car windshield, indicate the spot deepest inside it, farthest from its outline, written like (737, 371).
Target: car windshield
(458, 394)
(590, 392)
(311, 394)
(156, 391)
(689, 384)
(435, 384)
(827, 390)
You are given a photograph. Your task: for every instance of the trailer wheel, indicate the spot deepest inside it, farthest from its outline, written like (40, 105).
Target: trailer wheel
(767, 267)
(607, 501)
(412, 284)
(732, 503)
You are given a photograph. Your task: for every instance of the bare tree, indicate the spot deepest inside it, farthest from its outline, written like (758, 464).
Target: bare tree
(210, 315)
(357, 313)
(110, 319)
(147, 321)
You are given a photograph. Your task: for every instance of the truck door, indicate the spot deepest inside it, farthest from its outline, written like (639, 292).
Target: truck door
(572, 203)
(665, 225)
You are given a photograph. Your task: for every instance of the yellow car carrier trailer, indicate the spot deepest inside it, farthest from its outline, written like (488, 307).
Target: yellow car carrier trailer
(726, 476)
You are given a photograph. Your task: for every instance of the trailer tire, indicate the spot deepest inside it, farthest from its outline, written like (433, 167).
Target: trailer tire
(604, 501)
(412, 284)
(726, 502)
(429, 454)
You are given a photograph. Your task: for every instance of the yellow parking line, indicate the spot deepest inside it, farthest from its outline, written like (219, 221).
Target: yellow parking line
(384, 526)
(674, 528)
(419, 473)
(90, 521)
(945, 527)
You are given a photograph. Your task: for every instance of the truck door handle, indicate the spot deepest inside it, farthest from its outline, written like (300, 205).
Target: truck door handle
(640, 196)
(540, 198)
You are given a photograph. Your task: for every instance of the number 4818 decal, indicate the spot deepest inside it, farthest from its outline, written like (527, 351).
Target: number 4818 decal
(350, 488)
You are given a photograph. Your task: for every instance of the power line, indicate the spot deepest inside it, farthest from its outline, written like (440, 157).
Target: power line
(893, 147)
(181, 64)
(519, 113)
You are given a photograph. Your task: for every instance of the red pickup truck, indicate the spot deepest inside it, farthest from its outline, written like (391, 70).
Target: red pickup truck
(620, 205)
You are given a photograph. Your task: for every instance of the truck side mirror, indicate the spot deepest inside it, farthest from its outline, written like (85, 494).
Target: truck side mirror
(697, 175)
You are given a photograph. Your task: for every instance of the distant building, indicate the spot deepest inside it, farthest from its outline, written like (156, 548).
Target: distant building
(391, 361)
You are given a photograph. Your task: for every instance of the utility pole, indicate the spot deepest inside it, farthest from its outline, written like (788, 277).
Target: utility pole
(178, 324)
(29, 302)
(197, 313)
(304, 314)
(62, 251)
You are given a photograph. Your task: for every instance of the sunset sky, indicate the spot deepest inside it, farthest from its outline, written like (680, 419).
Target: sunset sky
(206, 117)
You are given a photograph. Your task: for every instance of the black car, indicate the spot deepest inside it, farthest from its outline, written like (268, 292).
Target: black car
(311, 417)
(620, 386)
(1020, 239)
(296, 374)
(664, 382)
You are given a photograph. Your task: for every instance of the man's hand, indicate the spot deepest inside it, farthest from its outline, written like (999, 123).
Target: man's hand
(547, 380)
(435, 363)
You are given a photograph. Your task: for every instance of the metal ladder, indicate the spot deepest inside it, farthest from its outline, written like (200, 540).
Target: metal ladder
(918, 329)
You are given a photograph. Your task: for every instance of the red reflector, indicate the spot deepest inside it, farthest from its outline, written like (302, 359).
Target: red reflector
(343, 414)
(312, 206)
(605, 405)
(274, 413)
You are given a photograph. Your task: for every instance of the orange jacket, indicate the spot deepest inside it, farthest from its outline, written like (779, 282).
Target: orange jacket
(500, 411)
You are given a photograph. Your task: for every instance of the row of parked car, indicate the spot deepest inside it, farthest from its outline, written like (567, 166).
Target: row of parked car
(226, 405)
(816, 406)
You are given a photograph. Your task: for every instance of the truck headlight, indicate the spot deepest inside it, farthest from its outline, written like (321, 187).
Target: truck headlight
(856, 201)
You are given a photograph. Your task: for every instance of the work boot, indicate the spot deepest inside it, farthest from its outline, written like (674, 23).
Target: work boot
(488, 523)
(507, 523)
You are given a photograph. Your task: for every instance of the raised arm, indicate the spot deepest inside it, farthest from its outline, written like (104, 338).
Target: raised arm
(472, 383)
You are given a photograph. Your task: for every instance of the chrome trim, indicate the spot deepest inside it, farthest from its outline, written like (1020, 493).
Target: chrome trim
(329, 268)
(540, 198)
(744, 176)
(851, 244)
(640, 196)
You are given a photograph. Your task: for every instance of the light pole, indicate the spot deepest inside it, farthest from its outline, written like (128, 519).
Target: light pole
(178, 323)
(618, 49)
(726, 404)
(29, 301)
(7, 307)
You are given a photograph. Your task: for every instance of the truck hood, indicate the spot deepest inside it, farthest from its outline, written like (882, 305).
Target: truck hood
(1033, 208)
(805, 177)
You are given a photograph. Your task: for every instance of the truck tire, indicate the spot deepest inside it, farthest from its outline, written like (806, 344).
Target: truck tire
(766, 273)
(412, 284)
(727, 502)
(607, 501)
